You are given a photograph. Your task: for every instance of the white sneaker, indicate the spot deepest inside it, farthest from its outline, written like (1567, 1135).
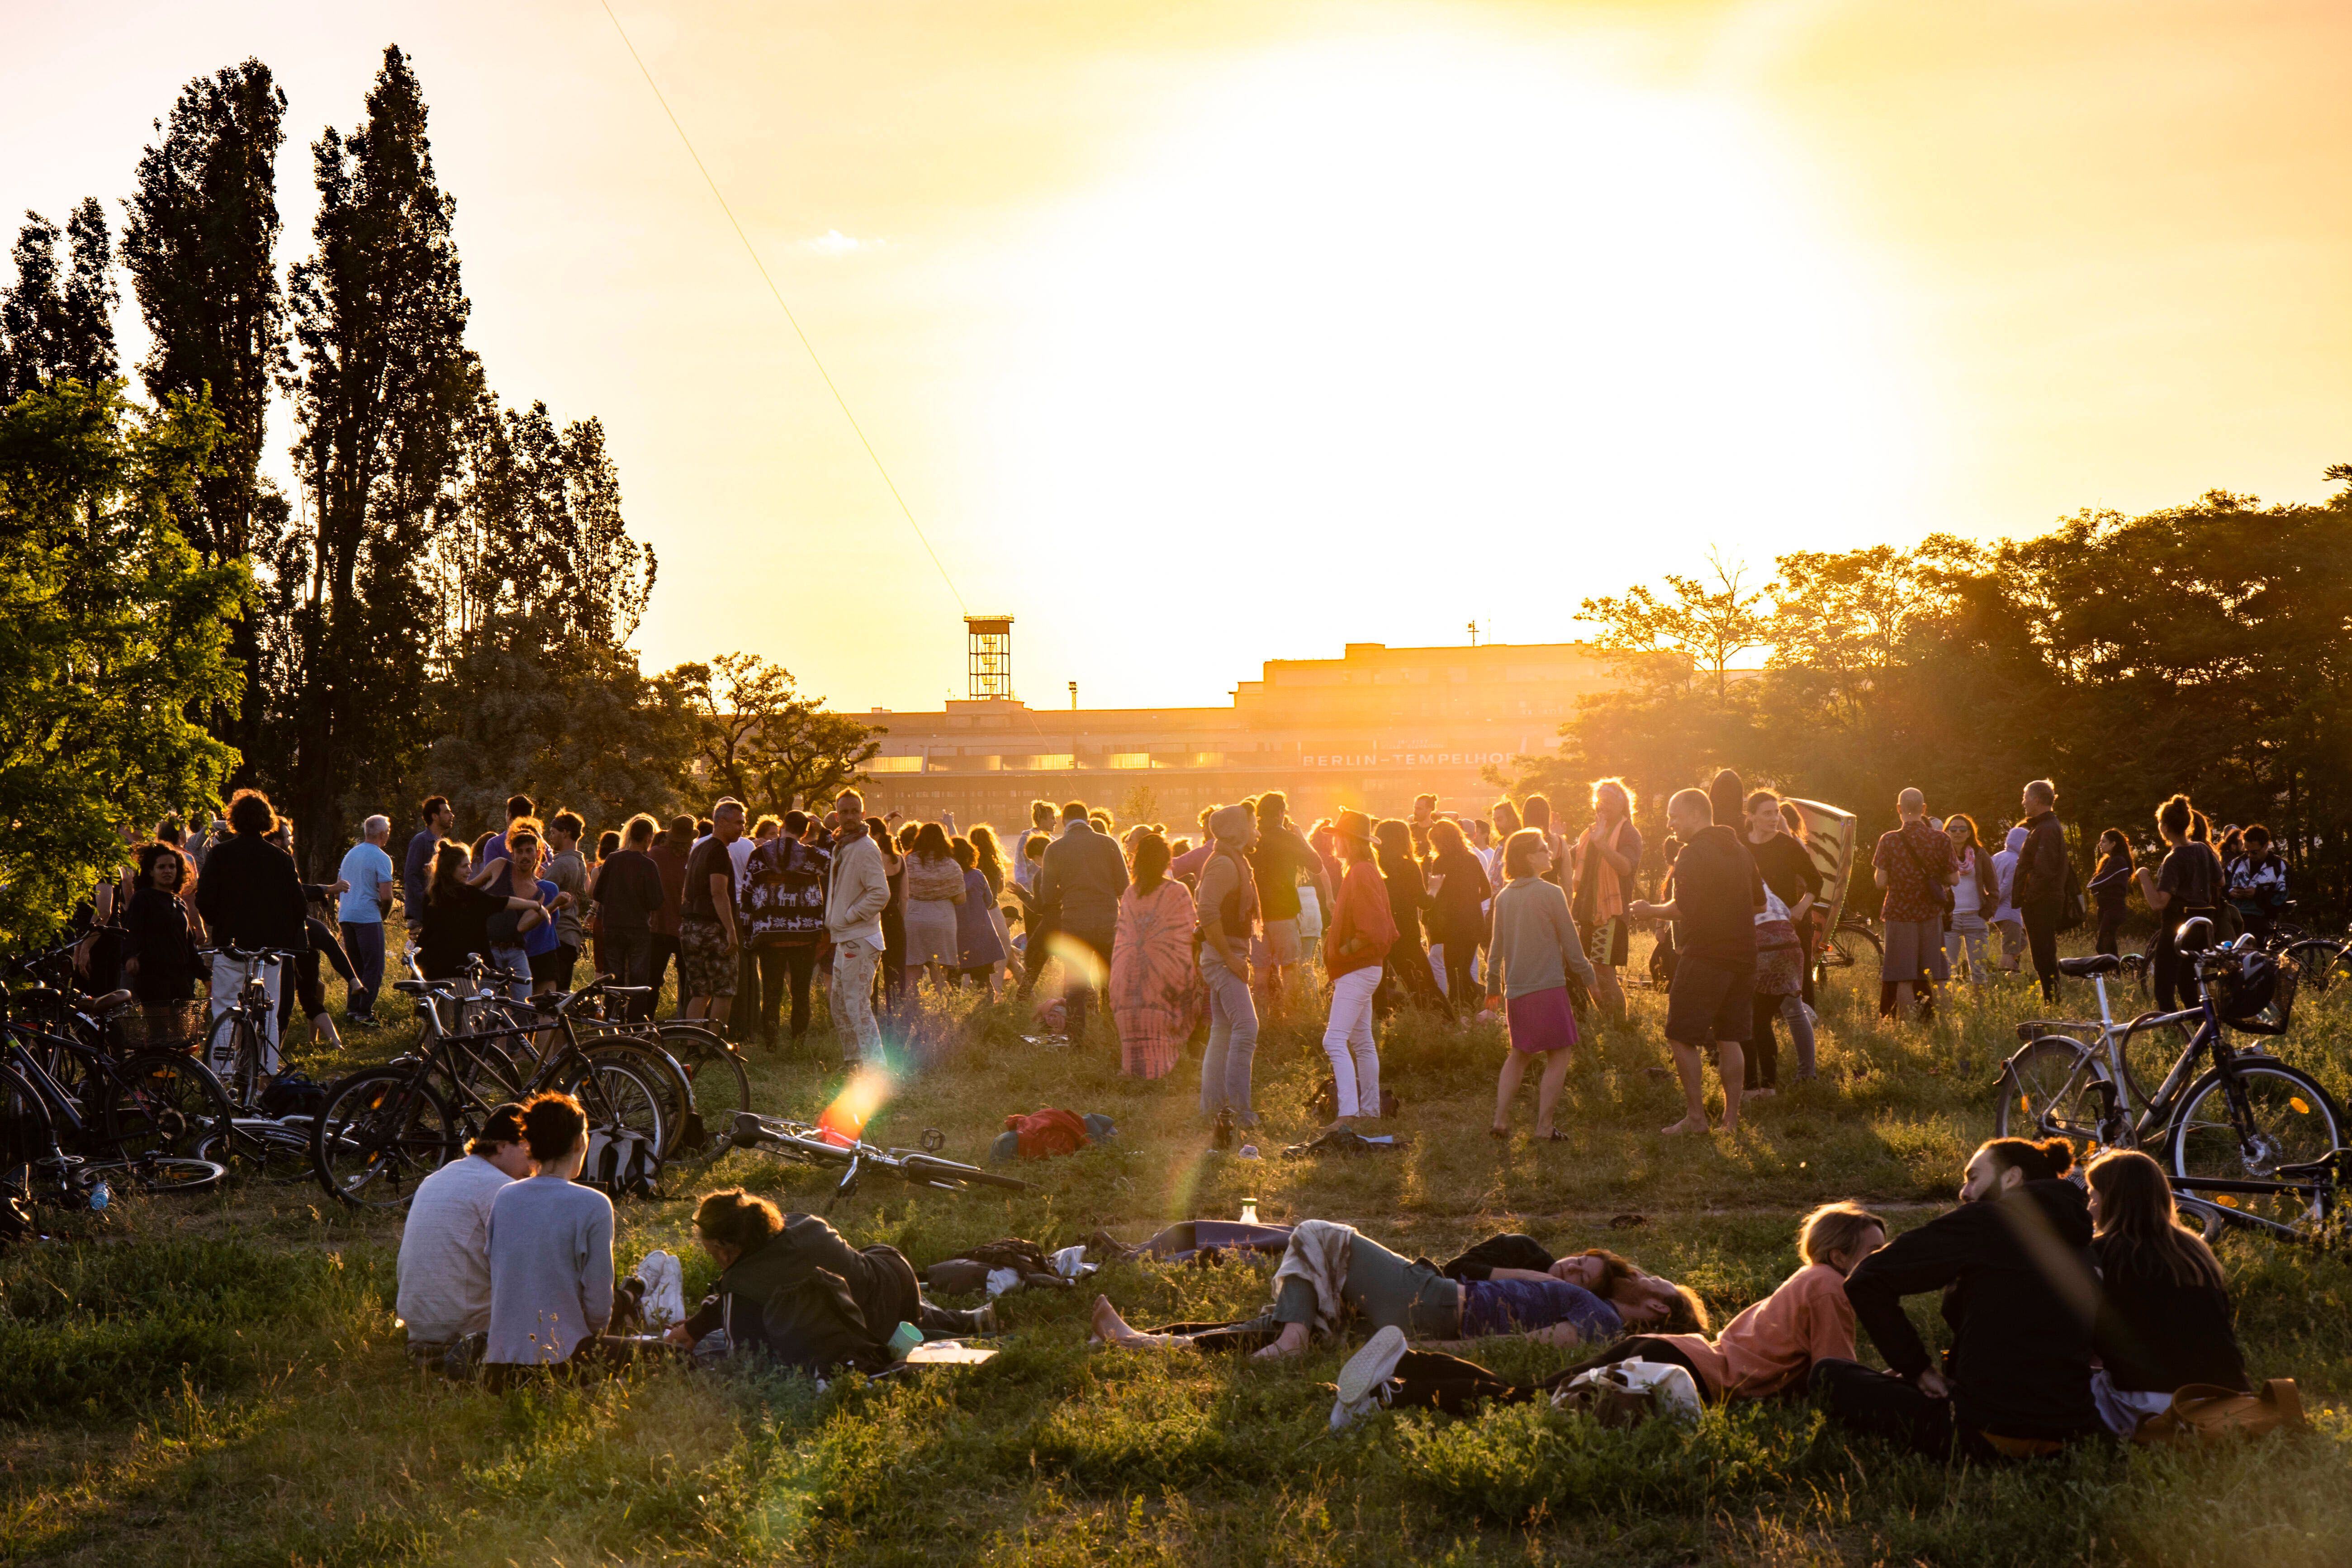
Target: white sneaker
(1364, 1380)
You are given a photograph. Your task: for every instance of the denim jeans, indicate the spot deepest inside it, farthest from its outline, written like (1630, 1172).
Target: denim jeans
(365, 945)
(1232, 1039)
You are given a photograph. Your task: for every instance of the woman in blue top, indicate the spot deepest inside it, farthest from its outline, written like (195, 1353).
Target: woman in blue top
(519, 878)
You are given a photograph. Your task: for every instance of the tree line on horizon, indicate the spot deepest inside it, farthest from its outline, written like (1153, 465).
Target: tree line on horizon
(2204, 650)
(447, 604)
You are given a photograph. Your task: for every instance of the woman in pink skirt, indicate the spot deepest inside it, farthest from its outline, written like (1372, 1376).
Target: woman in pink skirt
(1534, 950)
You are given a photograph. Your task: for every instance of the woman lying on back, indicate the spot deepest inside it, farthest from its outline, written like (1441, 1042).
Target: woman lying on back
(2164, 1316)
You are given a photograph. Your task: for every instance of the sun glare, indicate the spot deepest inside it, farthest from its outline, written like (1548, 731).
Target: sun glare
(1387, 295)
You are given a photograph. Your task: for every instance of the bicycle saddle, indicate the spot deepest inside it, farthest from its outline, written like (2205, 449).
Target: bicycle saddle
(106, 1003)
(421, 987)
(2084, 968)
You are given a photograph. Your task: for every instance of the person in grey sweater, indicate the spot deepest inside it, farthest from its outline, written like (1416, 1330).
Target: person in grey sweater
(550, 1246)
(1534, 950)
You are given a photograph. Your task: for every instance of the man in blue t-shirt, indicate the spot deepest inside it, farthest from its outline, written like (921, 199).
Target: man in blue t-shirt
(364, 903)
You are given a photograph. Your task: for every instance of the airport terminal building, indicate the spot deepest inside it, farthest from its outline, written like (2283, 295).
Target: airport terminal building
(1370, 730)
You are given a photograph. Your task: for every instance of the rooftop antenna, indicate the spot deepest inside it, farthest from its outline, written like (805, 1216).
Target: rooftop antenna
(1473, 633)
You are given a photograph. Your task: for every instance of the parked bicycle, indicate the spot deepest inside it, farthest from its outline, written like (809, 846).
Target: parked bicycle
(75, 1118)
(2250, 1140)
(385, 1128)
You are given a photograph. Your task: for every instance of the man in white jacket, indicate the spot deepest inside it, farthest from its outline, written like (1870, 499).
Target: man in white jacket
(853, 902)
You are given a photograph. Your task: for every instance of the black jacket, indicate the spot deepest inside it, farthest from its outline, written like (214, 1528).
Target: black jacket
(251, 895)
(2154, 1334)
(2039, 877)
(2020, 1298)
(156, 933)
(813, 1301)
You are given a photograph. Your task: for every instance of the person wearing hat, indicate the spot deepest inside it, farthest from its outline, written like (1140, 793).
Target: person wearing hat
(1355, 946)
(1228, 916)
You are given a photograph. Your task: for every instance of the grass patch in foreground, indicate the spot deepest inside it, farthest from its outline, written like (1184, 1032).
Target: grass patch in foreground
(217, 1380)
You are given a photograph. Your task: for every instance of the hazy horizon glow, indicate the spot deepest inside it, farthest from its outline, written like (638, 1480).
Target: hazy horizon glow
(1202, 336)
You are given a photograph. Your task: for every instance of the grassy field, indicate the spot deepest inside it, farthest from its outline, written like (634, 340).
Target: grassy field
(217, 1379)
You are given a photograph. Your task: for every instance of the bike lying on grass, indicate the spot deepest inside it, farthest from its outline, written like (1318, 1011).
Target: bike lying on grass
(806, 1144)
(2251, 1141)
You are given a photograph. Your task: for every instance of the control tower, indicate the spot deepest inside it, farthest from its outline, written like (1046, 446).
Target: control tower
(989, 658)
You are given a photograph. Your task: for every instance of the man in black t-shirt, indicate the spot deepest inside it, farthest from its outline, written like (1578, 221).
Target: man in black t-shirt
(708, 942)
(1709, 1004)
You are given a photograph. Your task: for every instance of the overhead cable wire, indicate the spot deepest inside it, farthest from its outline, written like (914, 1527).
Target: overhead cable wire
(752, 251)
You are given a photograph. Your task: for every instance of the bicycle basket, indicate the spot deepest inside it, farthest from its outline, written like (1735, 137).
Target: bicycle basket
(2257, 993)
(182, 1025)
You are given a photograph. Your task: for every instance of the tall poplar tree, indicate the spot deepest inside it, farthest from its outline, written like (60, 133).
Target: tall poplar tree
(56, 326)
(200, 242)
(379, 313)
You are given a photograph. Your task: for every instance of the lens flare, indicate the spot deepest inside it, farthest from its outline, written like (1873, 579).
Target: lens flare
(1079, 962)
(868, 1090)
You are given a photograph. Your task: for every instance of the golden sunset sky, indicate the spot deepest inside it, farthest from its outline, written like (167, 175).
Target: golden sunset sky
(1199, 333)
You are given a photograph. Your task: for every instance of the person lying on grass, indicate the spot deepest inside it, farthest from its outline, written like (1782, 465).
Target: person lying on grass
(1765, 1349)
(793, 1287)
(1331, 1273)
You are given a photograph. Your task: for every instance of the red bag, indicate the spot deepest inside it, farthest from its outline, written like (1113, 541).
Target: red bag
(1048, 1132)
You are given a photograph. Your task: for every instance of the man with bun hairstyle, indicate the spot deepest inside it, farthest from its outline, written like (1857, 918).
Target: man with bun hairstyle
(444, 1244)
(2021, 1294)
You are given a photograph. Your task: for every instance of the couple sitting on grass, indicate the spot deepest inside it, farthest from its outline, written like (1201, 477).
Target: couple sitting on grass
(2075, 1312)
(507, 1258)
(1329, 1271)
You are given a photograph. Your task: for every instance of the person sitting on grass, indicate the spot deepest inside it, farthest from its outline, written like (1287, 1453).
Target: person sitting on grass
(791, 1286)
(444, 1271)
(1534, 950)
(2164, 1317)
(2013, 1262)
(550, 1246)
(1330, 1273)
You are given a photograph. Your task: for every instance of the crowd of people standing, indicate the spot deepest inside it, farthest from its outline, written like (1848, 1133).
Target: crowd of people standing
(1500, 915)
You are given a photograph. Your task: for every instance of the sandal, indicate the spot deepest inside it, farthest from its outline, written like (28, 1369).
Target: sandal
(1498, 1133)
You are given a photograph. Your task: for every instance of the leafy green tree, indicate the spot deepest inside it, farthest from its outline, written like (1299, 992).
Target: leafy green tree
(1703, 626)
(56, 327)
(379, 314)
(575, 725)
(110, 627)
(761, 741)
(200, 243)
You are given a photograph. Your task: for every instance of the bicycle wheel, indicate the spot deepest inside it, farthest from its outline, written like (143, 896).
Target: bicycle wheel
(950, 1173)
(161, 1173)
(2244, 1128)
(2054, 1089)
(670, 1083)
(381, 1132)
(28, 1136)
(2322, 975)
(233, 1053)
(721, 1087)
(615, 1096)
(1864, 936)
(158, 1104)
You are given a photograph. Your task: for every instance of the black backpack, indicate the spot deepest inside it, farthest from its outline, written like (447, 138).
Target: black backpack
(622, 1163)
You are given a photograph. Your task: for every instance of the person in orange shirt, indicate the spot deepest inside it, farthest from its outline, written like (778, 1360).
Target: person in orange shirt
(1772, 1346)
